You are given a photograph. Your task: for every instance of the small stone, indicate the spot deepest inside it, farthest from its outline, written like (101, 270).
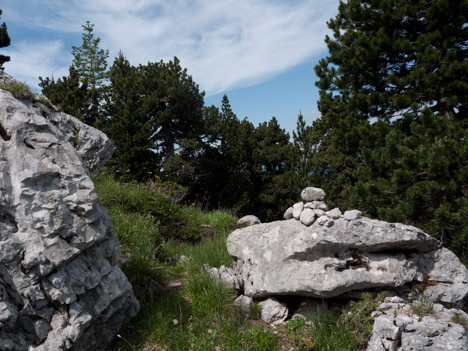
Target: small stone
(321, 205)
(319, 213)
(273, 312)
(248, 220)
(245, 303)
(297, 209)
(322, 220)
(313, 194)
(353, 214)
(335, 213)
(288, 214)
(307, 217)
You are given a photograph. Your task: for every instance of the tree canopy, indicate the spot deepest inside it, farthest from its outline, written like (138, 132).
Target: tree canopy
(393, 97)
(4, 42)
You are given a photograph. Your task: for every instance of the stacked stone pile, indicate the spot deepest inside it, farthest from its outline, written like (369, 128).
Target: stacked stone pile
(315, 210)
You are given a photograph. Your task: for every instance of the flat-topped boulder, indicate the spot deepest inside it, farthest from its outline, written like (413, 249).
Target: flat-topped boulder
(335, 256)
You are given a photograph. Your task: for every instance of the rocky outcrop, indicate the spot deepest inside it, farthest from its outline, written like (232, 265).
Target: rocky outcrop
(327, 254)
(92, 145)
(398, 327)
(61, 287)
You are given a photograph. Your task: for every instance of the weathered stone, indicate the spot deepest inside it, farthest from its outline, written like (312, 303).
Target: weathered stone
(246, 304)
(248, 221)
(297, 209)
(334, 214)
(307, 217)
(61, 287)
(397, 327)
(325, 220)
(313, 194)
(288, 214)
(93, 146)
(288, 258)
(226, 275)
(352, 214)
(273, 312)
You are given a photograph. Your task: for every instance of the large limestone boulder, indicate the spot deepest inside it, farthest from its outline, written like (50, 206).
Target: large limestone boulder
(92, 145)
(335, 256)
(61, 287)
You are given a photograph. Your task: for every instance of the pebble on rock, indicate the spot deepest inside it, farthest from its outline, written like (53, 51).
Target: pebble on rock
(313, 194)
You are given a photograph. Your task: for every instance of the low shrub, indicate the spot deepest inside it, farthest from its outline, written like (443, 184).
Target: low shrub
(18, 90)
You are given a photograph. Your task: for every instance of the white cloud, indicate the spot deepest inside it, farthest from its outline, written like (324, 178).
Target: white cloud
(225, 44)
(31, 60)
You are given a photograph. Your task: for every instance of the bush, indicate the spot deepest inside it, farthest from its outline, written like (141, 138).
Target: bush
(156, 199)
(18, 90)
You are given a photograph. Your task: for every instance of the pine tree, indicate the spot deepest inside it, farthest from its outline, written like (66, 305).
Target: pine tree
(4, 42)
(89, 60)
(393, 98)
(132, 128)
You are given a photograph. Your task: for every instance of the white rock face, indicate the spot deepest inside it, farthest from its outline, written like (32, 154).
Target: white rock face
(92, 145)
(61, 287)
(248, 220)
(288, 258)
(273, 312)
(397, 327)
(313, 194)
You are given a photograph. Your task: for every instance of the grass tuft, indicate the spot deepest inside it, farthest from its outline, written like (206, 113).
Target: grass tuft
(18, 90)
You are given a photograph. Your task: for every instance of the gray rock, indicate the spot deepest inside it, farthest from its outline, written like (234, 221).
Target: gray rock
(61, 287)
(273, 312)
(93, 146)
(307, 217)
(288, 214)
(352, 214)
(246, 304)
(226, 275)
(334, 214)
(297, 209)
(313, 194)
(248, 221)
(325, 221)
(288, 258)
(397, 327)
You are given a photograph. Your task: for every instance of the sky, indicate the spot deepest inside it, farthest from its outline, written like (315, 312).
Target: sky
(260, 53)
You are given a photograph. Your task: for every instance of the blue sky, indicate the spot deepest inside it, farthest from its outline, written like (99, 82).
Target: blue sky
(261, 53)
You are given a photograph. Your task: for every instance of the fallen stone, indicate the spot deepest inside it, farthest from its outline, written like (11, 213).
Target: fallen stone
(325, 221)
(313, 194)
(398, 327)
(353, 214)
(288, 258)
(226, 275)
(61, 287)
(297, 209)
(246, 304)
(248, 221)
(273, 312)
(334, 214)
(288, 214)
(307, 217)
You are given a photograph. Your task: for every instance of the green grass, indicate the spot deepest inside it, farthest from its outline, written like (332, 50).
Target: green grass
(422, 305)
(18, 90)
(200, 314)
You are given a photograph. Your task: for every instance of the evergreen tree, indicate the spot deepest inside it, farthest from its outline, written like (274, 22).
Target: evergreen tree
(89, 60)
(67, 93)
(83, 91)
(4, 42)
(393, 98)
(132, 128)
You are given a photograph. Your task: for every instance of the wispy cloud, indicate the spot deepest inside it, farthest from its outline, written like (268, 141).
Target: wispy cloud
(225, 44)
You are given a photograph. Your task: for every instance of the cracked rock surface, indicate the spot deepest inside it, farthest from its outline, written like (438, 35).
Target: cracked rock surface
(335, 256)
(61, 287)
(398, 328)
